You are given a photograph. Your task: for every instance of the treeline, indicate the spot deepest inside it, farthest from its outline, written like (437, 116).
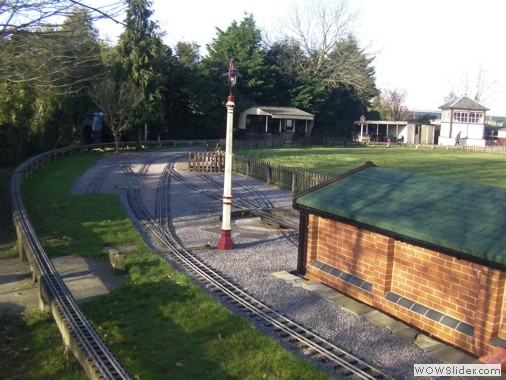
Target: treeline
(55, 77)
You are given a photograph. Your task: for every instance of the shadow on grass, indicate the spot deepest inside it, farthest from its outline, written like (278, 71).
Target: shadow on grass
(31, 349)
(167, 329)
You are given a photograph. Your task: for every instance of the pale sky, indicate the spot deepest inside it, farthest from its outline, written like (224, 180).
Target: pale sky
(426, 48)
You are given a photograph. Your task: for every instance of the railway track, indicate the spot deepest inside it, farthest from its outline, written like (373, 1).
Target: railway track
(259, 206)
(87, 346)
(78, 334)
(338, 360)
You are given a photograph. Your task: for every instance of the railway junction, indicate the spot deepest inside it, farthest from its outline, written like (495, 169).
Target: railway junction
(261, 263)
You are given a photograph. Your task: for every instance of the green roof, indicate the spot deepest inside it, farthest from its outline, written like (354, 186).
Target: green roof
(460, 216)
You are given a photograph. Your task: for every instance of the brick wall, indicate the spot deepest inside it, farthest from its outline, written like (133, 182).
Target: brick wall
(455, 300)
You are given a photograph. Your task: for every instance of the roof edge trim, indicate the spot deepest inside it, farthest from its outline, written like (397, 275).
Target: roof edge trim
(365, 166)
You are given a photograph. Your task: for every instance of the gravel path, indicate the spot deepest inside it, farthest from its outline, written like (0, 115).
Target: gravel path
(259, 252)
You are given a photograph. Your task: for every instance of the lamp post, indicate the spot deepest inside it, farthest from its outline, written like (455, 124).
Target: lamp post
(225, 241)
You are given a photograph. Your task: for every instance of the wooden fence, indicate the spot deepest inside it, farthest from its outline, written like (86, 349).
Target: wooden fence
(277, 175)
(278, 142)
(206, 161)
(282, 176)
(490, 149)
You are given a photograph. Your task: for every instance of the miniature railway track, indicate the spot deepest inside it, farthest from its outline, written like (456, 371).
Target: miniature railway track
(87, 346)
(259, 206)
(338, 360)
(78, 334)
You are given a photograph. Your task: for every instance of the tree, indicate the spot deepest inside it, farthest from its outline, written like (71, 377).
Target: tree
(49, 71)
(143, 61)
(188, 96)
(116, 99)
(35, 15)
(450, 97)
(325, 60)
(391, 105)
(475, 83)
(41, 45)
(205, 88)
(243, 42)
(56, 62)
(187, 53)
(350, 67)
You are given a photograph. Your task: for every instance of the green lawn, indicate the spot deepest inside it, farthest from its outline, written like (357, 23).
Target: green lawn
(489, 169)
(159, 324)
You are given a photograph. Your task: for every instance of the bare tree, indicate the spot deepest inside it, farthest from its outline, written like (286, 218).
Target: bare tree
(116, 100)
(36, 15)
(318, 25)
(322, 58)
(323, 33)
(392, 104)
(52, 45)
(475, 83)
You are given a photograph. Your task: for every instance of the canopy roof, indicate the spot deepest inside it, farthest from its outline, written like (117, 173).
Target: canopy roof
(381, 122)
(287, 113)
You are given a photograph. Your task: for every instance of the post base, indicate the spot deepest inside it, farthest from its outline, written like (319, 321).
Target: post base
(225, 241)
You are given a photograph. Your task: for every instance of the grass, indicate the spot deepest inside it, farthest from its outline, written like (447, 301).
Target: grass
(487, 169)
(159, 324)
(31, 349)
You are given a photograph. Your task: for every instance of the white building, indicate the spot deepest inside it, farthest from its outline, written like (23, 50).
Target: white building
(463, 123)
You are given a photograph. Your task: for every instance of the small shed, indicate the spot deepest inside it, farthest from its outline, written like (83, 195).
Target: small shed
(427, 250)
(284, 121)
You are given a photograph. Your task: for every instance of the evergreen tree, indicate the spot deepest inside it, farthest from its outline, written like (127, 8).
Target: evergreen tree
(243, 42)
(332, 76)
(143, 61)
(47, 72)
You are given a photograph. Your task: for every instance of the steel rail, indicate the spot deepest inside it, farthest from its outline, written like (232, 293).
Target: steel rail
(347, 364)
(85, 343)
(78, 334)
(262, 200)
(242, 203)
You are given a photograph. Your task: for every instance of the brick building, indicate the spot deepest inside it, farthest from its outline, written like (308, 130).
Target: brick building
(427, 250)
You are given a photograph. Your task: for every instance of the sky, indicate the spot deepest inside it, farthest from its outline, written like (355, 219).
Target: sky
(426, 48)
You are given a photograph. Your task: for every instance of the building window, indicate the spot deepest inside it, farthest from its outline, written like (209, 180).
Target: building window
(289, 125)
(468, 117)
(475, 117)
(460, 117)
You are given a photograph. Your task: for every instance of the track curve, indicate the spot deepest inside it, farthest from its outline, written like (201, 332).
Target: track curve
(337, 359)
(87, 345)
(78, 334)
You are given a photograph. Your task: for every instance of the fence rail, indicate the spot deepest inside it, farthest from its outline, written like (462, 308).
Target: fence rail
(490, 149)
(206, 161)
(270, 141)
(277, 175)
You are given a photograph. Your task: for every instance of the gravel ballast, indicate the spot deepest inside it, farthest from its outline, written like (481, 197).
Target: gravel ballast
(259, 252)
